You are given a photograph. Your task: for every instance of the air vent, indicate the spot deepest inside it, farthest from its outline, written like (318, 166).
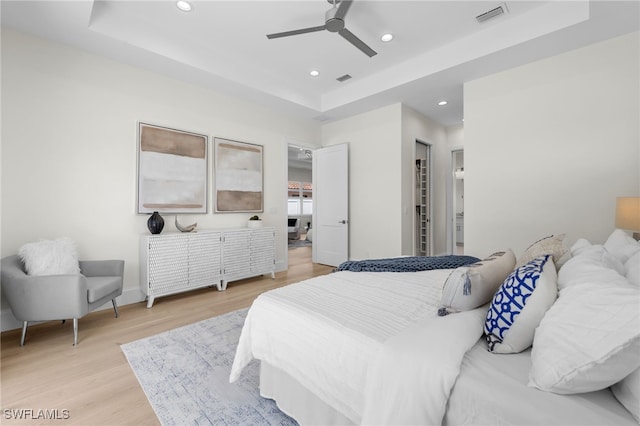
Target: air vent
(343, 78)
(493, 13)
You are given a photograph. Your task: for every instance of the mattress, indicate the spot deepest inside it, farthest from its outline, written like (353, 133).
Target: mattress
(492, 390)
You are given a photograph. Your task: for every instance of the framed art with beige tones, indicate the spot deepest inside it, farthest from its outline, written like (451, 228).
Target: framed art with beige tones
(238, 176)
(172, 170)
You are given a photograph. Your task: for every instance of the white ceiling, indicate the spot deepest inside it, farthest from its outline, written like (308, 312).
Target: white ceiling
(222, 45)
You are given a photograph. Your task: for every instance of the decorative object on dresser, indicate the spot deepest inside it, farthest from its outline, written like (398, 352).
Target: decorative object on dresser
(177, 262)
(254, 222)
(172, 170)
(238, 176)
(188, 228)
(155, 223)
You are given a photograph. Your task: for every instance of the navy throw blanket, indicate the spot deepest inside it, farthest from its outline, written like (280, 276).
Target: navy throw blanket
(407, 264)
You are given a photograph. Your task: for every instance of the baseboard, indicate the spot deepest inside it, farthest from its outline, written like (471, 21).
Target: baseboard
(9, 322)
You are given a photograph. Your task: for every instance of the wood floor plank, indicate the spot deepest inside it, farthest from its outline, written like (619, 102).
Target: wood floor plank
(93, 381)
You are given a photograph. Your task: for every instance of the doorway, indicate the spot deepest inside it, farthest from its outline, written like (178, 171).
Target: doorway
(422, 219)
(457, 198)
(299, 197)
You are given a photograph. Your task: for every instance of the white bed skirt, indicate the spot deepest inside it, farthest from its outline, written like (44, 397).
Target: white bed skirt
(295, 400)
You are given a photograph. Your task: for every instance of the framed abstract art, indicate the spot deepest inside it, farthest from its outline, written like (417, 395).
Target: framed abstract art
(238, 177)
(172, 170)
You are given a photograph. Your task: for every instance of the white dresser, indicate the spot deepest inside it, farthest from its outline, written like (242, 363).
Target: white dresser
(175, 262)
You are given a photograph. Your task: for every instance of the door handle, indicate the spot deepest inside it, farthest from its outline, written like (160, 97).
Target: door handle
(344, 222)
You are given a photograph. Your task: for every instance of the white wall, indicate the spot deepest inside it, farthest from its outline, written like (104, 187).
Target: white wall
(374, 139)
(550, 145)
(69, 129)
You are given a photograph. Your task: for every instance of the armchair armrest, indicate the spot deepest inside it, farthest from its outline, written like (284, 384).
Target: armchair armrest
(102, 268)
(47, 297)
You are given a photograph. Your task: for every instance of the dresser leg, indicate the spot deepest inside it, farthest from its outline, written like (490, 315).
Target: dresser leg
(150, 300)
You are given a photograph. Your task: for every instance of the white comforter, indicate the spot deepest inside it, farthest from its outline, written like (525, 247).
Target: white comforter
(412, 376)
(368, 344)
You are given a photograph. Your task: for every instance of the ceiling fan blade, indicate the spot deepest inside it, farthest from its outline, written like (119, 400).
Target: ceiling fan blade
(296, 32)
(351, 38)
(343, 8)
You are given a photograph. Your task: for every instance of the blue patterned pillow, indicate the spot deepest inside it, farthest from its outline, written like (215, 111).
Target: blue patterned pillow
(519, 305)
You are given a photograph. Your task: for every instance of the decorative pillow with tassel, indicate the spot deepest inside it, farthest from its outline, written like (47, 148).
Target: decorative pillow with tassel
(471, 286)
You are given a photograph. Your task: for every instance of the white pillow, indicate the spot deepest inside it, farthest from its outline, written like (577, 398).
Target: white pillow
(590, 338)
(587, 261)
(470, 286)
(50, 257)
(621, 245)
(549, 245)
(579, 246)
(627, 391)
(632, 269)
(519, 305)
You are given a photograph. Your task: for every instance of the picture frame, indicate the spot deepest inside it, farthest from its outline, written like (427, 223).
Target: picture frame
(172, 170)
(239, 180)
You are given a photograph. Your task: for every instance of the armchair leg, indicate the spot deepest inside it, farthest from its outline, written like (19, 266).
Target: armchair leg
(115, 307)
(75, 331)
(24, 332)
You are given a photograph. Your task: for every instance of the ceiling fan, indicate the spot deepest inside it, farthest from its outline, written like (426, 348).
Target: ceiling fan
(334, 23)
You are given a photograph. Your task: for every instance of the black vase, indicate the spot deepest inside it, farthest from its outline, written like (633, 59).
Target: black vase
(155, 223)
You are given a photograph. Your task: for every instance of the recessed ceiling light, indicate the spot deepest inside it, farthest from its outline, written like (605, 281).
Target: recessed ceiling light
(184, 6)
(442, 103)
(386, 37)
(314, 73)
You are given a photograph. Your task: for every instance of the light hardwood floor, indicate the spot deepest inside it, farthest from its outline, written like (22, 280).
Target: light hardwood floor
(93, 381)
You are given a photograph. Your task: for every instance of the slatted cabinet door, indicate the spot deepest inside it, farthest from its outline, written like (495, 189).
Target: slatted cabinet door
(262, 251)
(236, 255)
(205, 260)
(168, 265)
(248, 253)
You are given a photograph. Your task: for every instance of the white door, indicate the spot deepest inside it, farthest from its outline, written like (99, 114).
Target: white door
(331, 205)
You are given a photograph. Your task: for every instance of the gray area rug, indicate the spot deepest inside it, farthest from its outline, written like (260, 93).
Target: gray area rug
(185, 374)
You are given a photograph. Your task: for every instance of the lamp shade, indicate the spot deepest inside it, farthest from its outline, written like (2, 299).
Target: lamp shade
(628, 213)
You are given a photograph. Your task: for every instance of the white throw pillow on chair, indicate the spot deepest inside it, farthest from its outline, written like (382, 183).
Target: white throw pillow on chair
(50, 257)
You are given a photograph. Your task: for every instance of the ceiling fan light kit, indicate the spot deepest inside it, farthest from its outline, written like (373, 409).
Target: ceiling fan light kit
(334, 23)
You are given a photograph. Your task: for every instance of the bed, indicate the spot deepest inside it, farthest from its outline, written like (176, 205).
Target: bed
(443, 346)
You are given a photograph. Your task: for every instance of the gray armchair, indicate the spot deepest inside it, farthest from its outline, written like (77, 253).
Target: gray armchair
(58, 297)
